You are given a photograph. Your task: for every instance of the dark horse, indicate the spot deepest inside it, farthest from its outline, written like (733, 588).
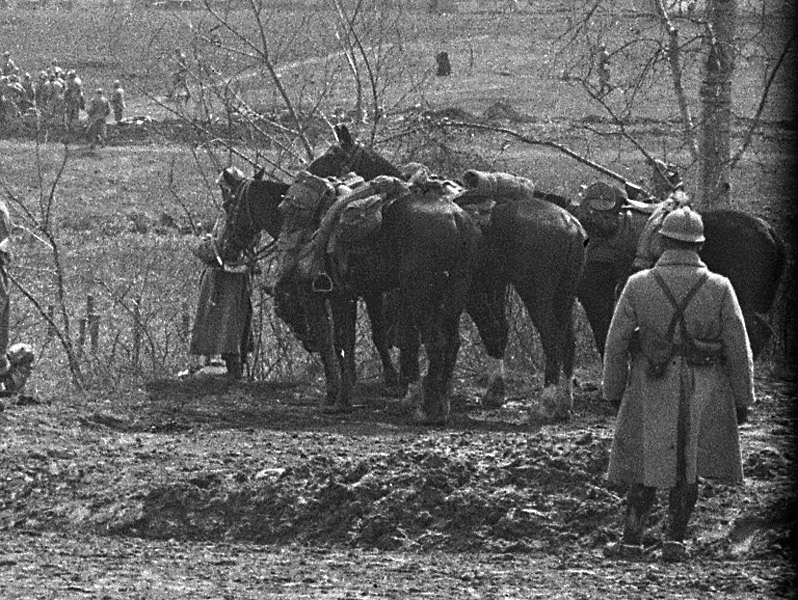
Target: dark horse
(538, 247)
(531, 242)
(738, 245)
(424, 252)
(252, 206)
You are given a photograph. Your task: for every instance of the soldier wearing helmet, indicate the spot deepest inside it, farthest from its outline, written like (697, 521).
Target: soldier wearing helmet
(15, 362)
(74, 100)
(679, 364)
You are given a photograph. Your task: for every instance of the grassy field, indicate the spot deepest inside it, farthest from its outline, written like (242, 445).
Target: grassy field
(124, 217)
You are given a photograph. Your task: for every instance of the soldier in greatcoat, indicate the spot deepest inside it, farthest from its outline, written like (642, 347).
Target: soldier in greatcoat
(679, 363)
(223, 323)
(98, 110)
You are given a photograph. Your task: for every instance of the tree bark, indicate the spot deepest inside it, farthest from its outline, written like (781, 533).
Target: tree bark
(716, 98)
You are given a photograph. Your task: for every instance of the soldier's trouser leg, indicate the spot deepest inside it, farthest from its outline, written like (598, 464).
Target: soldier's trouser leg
(681, 502)
(639, 500)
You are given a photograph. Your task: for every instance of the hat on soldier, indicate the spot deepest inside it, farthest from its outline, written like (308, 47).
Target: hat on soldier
(71, 74)
(683, 224)
(601, 196)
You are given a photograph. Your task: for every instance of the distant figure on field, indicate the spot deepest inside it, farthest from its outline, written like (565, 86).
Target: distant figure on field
(179, 83)
(74, 101)
(8, 67)
(29, 85)
(118, 101)
(98, 111)
(55, 97)
(603, 68)
(444, 66)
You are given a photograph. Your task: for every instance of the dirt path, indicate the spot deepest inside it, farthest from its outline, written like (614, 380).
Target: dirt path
(211, 490)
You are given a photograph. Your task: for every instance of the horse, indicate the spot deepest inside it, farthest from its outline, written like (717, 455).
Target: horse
(424, 252)
(532, 243)
(535, 245)
(252, 206)
(740, 246)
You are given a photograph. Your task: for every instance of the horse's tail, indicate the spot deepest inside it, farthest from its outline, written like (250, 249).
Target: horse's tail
(779, 264)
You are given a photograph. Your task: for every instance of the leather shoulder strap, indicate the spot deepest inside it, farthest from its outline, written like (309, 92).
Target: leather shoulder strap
(679, 306)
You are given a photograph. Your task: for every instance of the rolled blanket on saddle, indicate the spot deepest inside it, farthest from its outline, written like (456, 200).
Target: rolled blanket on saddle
(482, 184)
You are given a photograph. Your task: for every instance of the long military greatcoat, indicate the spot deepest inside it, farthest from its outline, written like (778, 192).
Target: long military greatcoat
(644, 447)
(223, 322)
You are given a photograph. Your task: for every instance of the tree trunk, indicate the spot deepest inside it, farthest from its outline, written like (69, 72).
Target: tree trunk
(716, 98)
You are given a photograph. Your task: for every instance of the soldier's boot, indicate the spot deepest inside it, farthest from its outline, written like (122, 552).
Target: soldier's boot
(639, 500)
(681, 502)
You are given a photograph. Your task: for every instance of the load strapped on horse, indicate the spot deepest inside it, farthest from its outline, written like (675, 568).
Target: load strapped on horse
(352, 212)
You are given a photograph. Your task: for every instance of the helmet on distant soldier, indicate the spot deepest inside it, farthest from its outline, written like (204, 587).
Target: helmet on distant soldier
(683, 224)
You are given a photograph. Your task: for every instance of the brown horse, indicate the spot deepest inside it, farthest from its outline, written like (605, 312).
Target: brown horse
(740, 246)
(424, 251)
(252, 206)
(531, 243)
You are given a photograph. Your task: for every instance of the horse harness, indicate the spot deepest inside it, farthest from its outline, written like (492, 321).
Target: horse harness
(659, 350)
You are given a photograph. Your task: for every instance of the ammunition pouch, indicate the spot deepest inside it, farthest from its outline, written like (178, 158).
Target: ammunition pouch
(658, 352)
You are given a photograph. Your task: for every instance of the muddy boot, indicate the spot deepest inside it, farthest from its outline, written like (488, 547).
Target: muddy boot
(681, 502)
(638, 504)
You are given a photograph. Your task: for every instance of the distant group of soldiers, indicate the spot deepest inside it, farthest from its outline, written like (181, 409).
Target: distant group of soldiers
(56, 97)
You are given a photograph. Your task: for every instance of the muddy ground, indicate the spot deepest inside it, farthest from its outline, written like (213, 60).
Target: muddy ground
(212, 489)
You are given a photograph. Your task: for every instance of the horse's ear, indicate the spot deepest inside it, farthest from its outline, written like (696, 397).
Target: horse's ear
(260, 173)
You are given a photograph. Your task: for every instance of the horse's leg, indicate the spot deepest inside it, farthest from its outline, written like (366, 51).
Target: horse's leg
(442, 342)
(596, 294)
(487, 310)
(342, 315)
(540, 307)
(376, 307)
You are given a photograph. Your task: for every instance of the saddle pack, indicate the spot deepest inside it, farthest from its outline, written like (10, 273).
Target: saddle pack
(659, 350)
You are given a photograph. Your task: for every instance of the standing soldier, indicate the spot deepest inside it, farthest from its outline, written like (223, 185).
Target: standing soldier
(55, 100)
(679, 363)
(179, 83)
(74, 101)
(98, 111)
(30, 90)
(118, 101)
(603, 68)
(8, 67)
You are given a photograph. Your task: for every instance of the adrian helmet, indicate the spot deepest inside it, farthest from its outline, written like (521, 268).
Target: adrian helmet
(683, 224)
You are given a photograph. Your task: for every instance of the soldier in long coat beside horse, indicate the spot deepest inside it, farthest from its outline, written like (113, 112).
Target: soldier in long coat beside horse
(224, 310)
(687, 384)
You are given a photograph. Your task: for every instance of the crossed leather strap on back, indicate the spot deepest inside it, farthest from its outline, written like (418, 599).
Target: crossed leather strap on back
(679, 306)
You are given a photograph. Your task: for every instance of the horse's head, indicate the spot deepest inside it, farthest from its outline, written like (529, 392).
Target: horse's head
(350, 156)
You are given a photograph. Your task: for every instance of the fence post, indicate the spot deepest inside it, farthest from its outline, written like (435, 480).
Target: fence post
(94, 323)
(136, 333)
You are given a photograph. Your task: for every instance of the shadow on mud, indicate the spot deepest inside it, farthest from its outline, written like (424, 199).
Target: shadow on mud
(221, 403)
